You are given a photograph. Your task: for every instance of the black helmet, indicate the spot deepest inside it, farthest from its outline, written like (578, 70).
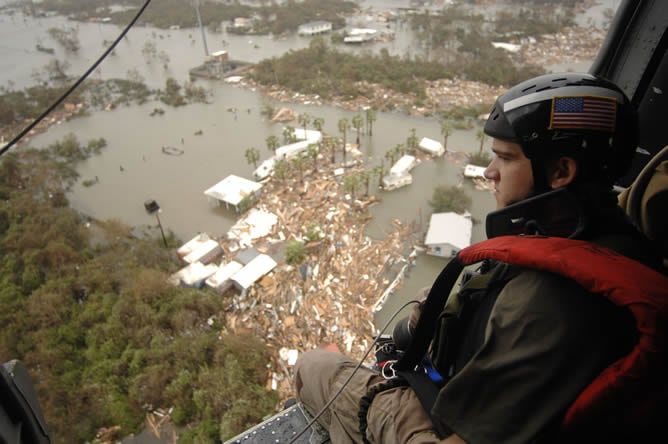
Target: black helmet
(574, 114)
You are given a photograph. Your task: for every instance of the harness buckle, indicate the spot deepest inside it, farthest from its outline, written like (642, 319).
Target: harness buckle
(390, 365)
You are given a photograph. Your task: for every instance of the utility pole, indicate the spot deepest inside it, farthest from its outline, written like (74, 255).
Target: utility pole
(201, 28)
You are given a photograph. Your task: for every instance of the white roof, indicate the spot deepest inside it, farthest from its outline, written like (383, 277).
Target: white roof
(449, 228)
(223, 274)
(510, 47)
(193, 244)
(218, 53)
(254, 270)
(256, 223)
(362, 31)
(233, 189)
(474, 171)
(265, 169)
(311, 136)
(431, 146)
(403, 165)
(292, 149)
(201, 251)
(195, 273)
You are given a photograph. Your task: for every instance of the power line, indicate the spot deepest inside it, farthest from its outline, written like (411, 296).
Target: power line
(76, 84)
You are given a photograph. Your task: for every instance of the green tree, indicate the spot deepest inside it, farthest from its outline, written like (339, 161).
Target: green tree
(370, 115)
(446, 131)
(357, 124)
(343, 126)
(281, 169)
(252, 156)
(412, 142)
(312, 152)
(351, 184)
(298, 162)
(480, 159)
(304, 119)
(272, 144)
(318, 123)
(295, 252)
(289, 134)
(449, 198)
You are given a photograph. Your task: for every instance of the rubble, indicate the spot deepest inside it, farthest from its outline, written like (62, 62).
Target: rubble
(331, 298)
(572, 45)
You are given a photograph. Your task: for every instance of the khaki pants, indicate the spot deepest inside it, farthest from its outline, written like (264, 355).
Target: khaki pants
(395, 415)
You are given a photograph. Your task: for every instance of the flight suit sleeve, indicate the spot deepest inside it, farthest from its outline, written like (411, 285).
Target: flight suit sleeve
(544, 342)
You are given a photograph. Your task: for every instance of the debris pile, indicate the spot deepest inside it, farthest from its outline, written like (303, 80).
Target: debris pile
(330, 297)
(571, 45)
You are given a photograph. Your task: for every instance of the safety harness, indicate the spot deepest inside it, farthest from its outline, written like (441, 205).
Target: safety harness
(633, 387)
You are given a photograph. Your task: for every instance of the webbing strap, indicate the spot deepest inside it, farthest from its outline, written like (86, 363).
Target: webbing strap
(431, 308)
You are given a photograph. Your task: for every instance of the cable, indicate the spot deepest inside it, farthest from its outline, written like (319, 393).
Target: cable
(76, 84)
(359, 365)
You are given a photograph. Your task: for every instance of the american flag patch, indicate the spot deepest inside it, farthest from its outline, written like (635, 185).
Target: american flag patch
(589, 113)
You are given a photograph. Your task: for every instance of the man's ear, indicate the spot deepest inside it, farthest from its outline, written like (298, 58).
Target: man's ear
(563, 172)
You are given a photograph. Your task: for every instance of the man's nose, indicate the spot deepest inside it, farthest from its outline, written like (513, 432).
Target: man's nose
(491, 172)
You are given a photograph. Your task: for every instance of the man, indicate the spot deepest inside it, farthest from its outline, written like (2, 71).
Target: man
(530, 341)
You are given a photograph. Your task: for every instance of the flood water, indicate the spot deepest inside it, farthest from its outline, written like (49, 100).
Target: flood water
(132, 168)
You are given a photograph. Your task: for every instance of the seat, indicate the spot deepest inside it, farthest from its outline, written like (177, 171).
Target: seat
(646, 202)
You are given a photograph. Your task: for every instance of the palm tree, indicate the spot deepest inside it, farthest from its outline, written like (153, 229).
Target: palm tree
(330, 145)
(482, 137)
(370, 118)
(281, 169)
(252, 156)
(304, 119)
(365, 178)
(298, 161)
(380, 172)
(272, 144)
(318, 123)
(289, 134)
(357, 124)
(351, 183)
(312, 153)
(412, 142)
(343, 129)
(446, 130)
(391, 155)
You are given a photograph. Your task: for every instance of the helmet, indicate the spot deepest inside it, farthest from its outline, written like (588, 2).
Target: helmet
(573, 114)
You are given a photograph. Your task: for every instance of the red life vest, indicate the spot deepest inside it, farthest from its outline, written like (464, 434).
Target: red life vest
(635, 386)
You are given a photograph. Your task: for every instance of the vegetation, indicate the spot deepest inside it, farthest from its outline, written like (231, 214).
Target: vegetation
(88, 309)
(320, 69)
(481, 158)
(268, 17)
(295, 252)
(449, 198)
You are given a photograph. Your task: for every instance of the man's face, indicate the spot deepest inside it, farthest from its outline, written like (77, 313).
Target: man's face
(510, 170)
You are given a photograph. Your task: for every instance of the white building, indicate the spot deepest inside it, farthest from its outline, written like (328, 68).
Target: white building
(360, 35)
(400, 175)
(314, 28)
(220, 280)
(473, 171)
(193, 275)
(253, 271)
(431, 146)
(305, 139)
(448, 233)
(232, 190)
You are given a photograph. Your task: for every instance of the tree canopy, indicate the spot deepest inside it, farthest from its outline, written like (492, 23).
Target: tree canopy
(449, 198)
(87, 307)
